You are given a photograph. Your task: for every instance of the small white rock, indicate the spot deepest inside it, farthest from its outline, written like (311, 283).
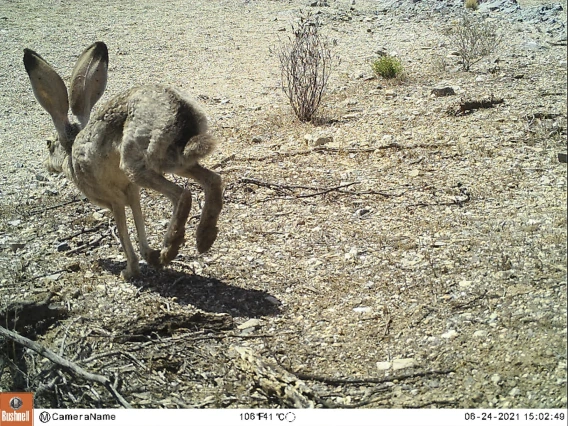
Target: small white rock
(253, 322)
(450, 334)
(52, 277)
(399, 364)
(384, 365)
(390, 94)
(480, 333)
(362, 309)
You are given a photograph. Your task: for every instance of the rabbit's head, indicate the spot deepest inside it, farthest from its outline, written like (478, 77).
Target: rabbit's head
(57, 154)
(88, 82)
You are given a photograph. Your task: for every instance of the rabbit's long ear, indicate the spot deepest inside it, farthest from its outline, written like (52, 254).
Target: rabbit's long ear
(49, 90)
(88, 80)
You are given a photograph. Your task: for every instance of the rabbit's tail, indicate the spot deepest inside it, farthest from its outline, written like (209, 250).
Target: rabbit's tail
(199, 146)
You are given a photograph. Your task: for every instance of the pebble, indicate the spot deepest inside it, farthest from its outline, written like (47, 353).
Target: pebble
(251, 323)
(390, 94)
(64, 246)
(52, 277)
(361, 212)
(496, 378)
(399, 364)
(433, 384)
(532, 45)
(450, 334)
(100, 214)
(352, 253)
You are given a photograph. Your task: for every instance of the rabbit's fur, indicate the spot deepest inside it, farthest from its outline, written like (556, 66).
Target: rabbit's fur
(130, 142)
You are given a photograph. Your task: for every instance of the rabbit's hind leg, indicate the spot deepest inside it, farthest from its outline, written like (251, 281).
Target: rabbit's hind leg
(213, 188)
(181, 201)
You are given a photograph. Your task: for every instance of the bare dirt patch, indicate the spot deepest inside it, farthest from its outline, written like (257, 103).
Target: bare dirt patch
(416, 259)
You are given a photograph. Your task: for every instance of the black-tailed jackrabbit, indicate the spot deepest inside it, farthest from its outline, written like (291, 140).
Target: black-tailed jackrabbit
(130, 142)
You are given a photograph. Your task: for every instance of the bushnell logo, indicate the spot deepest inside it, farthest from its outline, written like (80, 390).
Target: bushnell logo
(16, 403)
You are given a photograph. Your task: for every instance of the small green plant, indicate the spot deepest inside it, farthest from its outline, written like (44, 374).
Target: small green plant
(387, 66)
(471, 4)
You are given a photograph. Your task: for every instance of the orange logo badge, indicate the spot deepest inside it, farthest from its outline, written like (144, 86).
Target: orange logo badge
(16, 409)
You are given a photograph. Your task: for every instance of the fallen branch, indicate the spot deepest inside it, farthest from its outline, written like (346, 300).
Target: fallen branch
(290, 188)
(82, 231)
(371, 192)
(352, 150)
(466, 107)
(469, 303)
(71, 268)
(324, 149)
(94, 243)
(457, 201)
(437, 402)
(328, 190)
(62, 362)
(362, 403)
(542, 116)
(44, 209)
(223, 161)
(338, 381)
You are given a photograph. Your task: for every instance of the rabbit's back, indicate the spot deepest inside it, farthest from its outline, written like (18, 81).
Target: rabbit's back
(153, 127)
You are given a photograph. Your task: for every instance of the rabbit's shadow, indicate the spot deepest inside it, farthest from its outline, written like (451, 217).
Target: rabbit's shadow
(205, 293)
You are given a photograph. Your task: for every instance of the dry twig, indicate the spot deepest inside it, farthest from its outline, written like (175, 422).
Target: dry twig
(44, 209)
(66, 364)
(338, 381)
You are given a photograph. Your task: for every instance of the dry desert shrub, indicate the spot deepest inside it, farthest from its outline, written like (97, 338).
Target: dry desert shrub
(474, 38)
(305, 62)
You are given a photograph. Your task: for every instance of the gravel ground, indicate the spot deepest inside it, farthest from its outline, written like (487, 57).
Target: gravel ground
(415, 259)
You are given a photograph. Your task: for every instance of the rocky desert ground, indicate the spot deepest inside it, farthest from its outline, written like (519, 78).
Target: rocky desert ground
(413, 257)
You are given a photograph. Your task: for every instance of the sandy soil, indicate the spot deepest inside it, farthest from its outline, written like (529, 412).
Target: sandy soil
(418, 259)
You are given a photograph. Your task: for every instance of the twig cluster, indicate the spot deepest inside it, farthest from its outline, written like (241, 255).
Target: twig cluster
(305, 62)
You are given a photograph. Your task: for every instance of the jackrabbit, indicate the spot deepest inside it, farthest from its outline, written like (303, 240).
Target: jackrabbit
(130, 142)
